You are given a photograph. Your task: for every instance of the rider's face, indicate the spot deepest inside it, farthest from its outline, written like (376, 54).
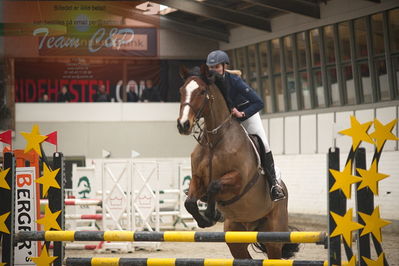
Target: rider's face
(218, 68)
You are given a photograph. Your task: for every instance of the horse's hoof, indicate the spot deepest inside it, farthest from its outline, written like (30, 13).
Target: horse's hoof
(219, 217)
(205, 223)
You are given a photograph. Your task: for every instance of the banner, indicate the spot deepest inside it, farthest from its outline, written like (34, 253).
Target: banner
(79, 76)
(33, 79)
(80, 28)
(26, 214)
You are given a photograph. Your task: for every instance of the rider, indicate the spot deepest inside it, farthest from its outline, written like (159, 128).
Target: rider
(245, 105)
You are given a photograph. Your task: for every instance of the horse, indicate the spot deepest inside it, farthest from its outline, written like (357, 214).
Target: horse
(226, 172)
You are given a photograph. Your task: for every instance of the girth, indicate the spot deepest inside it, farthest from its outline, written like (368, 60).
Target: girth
(249, 185)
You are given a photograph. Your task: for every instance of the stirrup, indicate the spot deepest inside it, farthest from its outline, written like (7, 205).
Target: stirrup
(279, 193)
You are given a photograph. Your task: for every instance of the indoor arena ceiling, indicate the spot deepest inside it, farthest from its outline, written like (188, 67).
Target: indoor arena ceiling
(213, 19)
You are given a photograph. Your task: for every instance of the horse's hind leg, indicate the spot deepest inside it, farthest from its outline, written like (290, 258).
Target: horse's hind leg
(238, 250)
(276, 221)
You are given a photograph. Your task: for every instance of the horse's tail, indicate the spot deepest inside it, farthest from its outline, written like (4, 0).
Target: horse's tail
(288, 250)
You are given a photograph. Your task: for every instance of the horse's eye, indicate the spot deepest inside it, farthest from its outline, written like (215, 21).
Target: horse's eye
(202, 92)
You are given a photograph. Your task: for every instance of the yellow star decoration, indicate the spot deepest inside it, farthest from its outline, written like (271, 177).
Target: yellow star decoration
(373, 223)
(370, 178)
(352, 261)
(33, 140)
(344, 180)
(358, 132)
(3, 182)
(383, 133)
(44, 259)
(48, 179)
(49, 220)
(345, 226)
(3, 226)
(378, 262)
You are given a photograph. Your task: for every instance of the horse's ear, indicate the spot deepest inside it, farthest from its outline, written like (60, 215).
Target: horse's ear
(183, 72)
(206, 75)
(204, 70)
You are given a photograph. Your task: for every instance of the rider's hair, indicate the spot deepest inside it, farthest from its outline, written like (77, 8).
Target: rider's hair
(235, 72)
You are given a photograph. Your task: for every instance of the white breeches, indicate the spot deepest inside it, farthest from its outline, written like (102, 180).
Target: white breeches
(254, 125)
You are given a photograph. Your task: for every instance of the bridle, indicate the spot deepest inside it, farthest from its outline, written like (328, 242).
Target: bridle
(199, 133)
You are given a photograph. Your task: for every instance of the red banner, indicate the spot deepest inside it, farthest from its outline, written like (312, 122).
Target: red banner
(82, 79)
(33, 79)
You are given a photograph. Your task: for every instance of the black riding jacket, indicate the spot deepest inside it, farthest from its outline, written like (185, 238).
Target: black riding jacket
(239, 94)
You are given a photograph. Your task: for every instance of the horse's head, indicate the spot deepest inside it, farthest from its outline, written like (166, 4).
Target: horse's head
(194, 96)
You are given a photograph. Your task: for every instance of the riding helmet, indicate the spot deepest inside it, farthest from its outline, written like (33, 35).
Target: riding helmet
(217, 57)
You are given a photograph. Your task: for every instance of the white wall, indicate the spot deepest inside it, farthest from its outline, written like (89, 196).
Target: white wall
(308, 133)
(306, 180)
(127, 125)
(86, 129)
(96, 112)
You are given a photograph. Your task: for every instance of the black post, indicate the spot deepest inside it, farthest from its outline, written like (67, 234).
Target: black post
(377, 245)
(56, 203)
(337, 204)
(364, 203)
(7, 197)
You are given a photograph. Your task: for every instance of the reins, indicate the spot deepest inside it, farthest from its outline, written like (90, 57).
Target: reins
(216, 129)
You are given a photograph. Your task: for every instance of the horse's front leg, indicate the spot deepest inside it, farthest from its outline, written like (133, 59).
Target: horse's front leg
(230, 182)
(195, 191)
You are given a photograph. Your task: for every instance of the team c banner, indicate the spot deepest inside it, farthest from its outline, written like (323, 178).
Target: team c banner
(81, 28)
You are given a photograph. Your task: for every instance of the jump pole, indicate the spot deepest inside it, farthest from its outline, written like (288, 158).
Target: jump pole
(174, 236)
(189, 262)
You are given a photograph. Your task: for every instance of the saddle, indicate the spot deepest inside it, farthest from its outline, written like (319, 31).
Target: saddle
(259, 149)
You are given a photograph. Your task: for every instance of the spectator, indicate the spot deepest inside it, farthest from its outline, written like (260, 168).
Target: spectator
(64, 96)
(141, 89)
(102, 95)
(150, 93)
(132, 92)
(44, 98)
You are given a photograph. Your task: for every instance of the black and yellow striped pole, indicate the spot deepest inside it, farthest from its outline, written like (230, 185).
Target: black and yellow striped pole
(188, 262)
(174, 236)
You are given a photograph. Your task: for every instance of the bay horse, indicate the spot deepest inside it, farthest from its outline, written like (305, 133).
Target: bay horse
(225, 170)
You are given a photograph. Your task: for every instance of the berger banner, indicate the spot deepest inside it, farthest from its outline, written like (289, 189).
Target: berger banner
(26, 213)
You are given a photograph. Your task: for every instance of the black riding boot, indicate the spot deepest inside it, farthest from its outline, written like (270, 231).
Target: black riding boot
(276, 191)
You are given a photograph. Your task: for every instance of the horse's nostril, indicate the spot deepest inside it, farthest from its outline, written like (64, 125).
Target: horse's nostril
(186, 125)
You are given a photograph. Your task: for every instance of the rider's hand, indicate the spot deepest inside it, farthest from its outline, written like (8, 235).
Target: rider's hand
(237, 113)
